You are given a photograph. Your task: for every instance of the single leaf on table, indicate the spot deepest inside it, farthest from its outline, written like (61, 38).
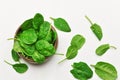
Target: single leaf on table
(37, 57)
(26, 24)
(28, 36)
(81, 71)
(19, 67)
(105, 71)
(78, 41)
(103, 48)
(15, 55)
(71, 52)
(38, 20)
(61, 24)
(96, 29)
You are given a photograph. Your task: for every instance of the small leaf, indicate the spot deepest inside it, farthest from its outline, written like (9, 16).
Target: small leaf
(37, 20)
(96, 29)
(20, 68)
(27, 24)
(37, 57)
(61, 24)
(54, 37)
(71, 52)
(78, 41)
(105, 71)
(81, 71)
(102, 49)
(17, 47)
(15, 55)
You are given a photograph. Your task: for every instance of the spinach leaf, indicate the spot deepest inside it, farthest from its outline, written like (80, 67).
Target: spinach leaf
(54, 37)
(96, 29)
(15, 55)
(78, 41)
(37, 57)
(44, 31)
(26, 24)
(28, 36)
(29, 49)
(19, 67)
(61, 24)
(103, 48)
(17, 47)
(45, 48)
(71, 52)
(81, 71)
(105, 71)
(38, 20)
(48, 37)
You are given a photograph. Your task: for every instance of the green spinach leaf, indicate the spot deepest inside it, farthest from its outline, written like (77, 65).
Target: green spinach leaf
(61, 24)
(19, 67)
(54, 37)
(28, 36)
(27, 24)
(103, 48)
(38, 20)
(17, 47)
(29, 49)
(78, 41)
(37, 57)
(45, 48)
(71, 52)
(96, 29)
(45, 30)
(81, 71)
(105, 71)
(15, 55)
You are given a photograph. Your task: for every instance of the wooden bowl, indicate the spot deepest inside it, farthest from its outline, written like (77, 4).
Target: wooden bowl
(30, 60)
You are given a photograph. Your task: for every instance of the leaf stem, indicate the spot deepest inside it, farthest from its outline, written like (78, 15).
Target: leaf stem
(89, 20)
(92, 65)
(59, 54)
(12, 39)
(8, 62)
(51, 18)
(113, 47)
(62, 61)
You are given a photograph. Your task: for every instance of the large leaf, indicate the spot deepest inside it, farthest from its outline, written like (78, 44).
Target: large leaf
(81, 71)
(28, 36)
(105, 71)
